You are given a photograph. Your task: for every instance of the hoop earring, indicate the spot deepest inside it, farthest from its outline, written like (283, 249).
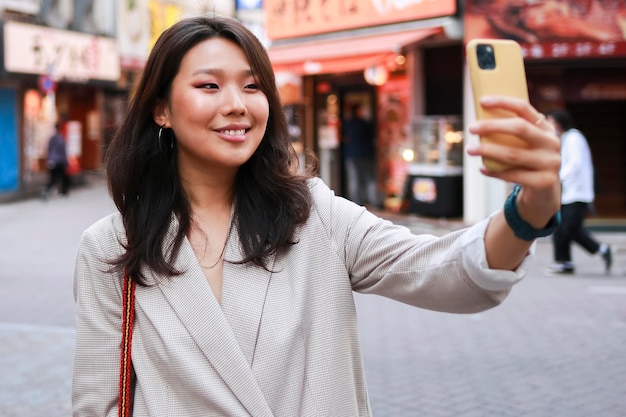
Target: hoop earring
(159, 138)
(160, 134)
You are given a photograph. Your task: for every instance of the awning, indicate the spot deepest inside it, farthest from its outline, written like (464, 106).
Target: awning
(344, 55)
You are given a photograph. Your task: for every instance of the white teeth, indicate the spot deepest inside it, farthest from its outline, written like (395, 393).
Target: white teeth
(237, 132)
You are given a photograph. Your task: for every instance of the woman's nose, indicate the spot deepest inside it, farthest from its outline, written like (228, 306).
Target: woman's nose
(233, 101)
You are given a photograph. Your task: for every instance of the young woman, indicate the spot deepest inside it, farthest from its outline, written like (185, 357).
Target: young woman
(244, 268)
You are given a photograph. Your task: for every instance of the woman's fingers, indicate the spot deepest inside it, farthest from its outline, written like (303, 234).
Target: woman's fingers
(536, 163)
(523, 122)
(503, 133)
(523, 141)
(535, 158)
(521, 118)
(529, 168)
(517, 106)
(541, 153)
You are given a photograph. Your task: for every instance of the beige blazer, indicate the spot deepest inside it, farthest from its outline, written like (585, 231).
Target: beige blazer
(282, 343)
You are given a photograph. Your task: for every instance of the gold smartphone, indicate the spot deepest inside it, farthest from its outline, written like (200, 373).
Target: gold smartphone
(496, 67)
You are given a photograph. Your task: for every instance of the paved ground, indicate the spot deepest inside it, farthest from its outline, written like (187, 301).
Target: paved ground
(555, 348)
(39, 242)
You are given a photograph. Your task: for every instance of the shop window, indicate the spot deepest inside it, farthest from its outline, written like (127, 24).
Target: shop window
(434, 155)
(436, 143)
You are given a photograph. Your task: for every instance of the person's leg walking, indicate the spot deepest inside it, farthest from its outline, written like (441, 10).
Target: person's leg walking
(51, 179)
(54, 178)
(65, 181)
(367, 181)
(352, 174)
(361, 173)
(562, 237)
(586, 240)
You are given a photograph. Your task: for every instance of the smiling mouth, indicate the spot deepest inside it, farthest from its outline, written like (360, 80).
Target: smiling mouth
(233, 132)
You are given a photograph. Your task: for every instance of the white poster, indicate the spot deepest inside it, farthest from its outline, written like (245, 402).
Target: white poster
(133, 28)
(73, 130)
(31, 49)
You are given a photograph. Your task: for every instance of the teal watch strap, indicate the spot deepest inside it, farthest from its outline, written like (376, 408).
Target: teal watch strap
(522, 229)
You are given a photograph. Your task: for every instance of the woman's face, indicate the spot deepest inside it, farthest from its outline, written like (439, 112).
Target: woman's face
(216, 110)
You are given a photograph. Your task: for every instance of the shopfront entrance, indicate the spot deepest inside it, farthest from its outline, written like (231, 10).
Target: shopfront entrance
(334, 94)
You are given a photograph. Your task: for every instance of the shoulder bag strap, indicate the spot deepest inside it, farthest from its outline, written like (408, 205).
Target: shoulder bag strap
(126, 366)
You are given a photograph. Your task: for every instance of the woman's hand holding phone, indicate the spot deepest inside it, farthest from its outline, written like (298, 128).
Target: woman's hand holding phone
(516, 144)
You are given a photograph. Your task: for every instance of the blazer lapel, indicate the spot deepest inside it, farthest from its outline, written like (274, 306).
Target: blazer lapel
(197, 308)
(244, 291)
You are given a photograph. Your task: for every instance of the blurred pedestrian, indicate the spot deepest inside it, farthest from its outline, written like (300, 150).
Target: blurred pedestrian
(57, 164)
(577, 196)
(359, 152)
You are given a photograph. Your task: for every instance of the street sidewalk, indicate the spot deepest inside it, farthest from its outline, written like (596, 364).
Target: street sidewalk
(33, 187)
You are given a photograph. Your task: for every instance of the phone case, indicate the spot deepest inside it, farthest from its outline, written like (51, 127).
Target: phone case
(507, 78)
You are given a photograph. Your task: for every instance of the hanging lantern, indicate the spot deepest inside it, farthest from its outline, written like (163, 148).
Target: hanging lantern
(376, 75)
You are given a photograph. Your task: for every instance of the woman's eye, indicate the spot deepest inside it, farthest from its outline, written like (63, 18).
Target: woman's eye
(209, 86)
(252, 86)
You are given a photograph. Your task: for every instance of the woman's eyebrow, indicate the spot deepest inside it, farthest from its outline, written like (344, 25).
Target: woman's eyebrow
(217, 71)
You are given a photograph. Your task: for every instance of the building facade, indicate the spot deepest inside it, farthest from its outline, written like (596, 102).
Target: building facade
(329, 55)
(58, 61)
(406, 62)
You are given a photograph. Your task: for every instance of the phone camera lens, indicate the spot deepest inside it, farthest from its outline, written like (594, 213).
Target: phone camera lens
(486, 57)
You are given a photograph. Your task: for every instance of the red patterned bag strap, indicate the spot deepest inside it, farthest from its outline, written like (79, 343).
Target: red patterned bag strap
(126, 366)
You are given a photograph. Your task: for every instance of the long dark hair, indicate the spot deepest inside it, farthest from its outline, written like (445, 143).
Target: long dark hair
(271, 198)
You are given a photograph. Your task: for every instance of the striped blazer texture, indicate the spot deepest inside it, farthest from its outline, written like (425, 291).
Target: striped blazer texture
(283, 343)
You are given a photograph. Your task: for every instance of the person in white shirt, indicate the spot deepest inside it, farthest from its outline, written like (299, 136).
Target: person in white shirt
(577, 195)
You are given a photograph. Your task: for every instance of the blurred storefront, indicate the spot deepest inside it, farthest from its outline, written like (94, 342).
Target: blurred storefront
(575, 54)
(58, 60)
(434, 185)
(387, 56)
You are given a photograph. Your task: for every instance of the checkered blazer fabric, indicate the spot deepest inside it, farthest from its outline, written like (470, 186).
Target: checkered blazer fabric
(283, 343)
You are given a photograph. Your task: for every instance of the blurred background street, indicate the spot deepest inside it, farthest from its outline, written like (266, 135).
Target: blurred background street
(555, 348)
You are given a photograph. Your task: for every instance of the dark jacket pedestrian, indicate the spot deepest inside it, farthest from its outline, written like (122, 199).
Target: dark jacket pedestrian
(360, 158)
(57, 163)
